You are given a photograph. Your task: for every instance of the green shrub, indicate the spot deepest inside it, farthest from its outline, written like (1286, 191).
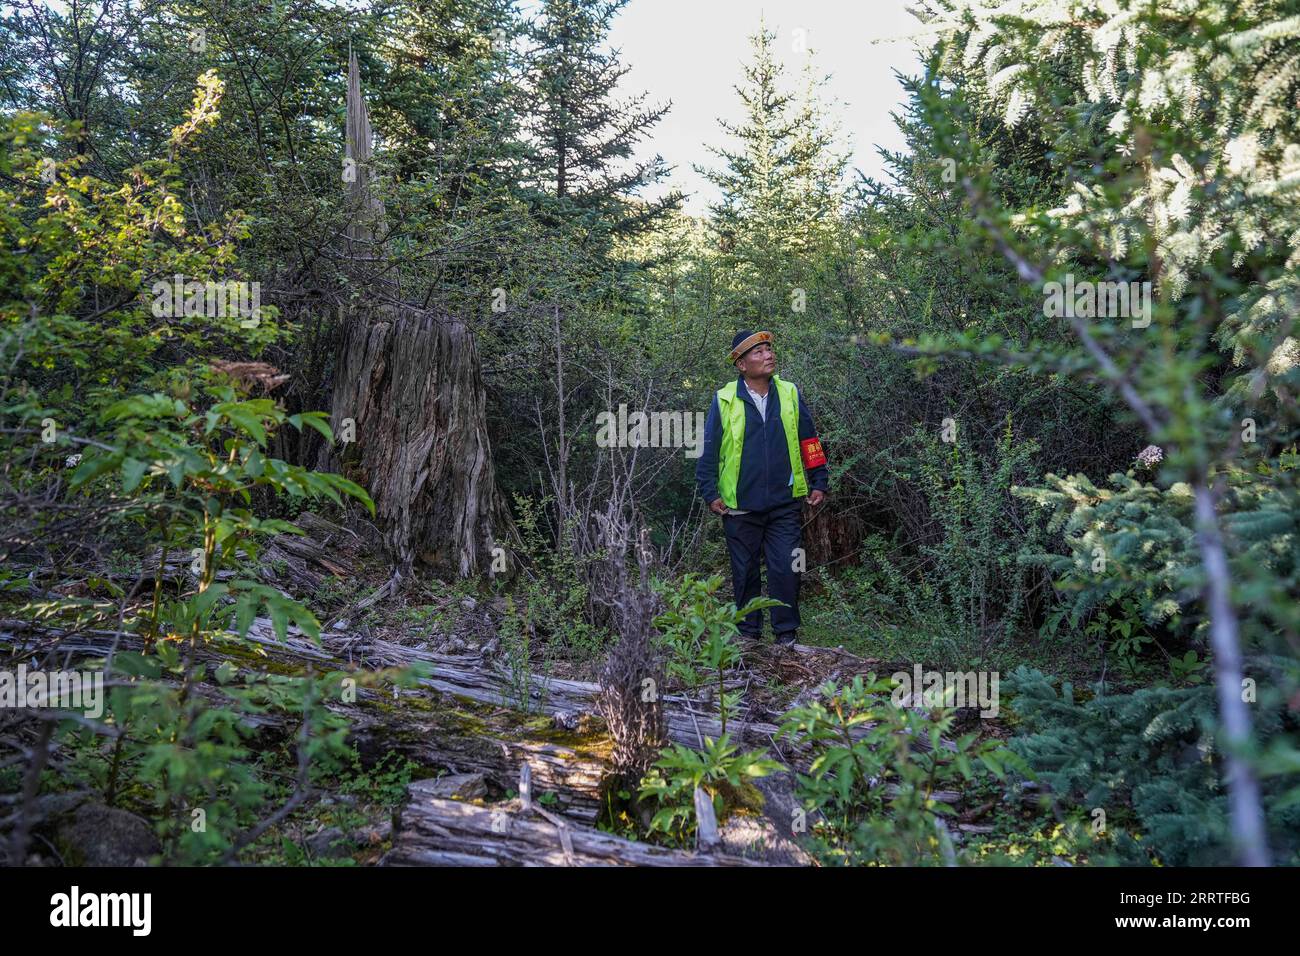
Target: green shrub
(699, 634)
(720, 770)
(870, 787)
(1152, 758)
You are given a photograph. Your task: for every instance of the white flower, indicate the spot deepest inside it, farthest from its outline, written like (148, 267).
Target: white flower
(1150, 456)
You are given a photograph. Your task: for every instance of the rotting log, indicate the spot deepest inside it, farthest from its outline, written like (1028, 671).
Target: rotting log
(439, 832)
(471, 678)
(484, 732)
(468, 677)
(460, 737)
(297, 564)
(571, 765)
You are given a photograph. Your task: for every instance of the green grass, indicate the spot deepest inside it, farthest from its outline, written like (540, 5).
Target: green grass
(893, 635)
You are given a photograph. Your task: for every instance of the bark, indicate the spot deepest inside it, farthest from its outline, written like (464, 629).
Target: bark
(358, 174)
(411, 382)
(570, 765)
(832, 535)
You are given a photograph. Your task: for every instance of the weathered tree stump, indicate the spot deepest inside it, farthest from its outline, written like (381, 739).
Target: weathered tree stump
(411, 382)
(408, 393)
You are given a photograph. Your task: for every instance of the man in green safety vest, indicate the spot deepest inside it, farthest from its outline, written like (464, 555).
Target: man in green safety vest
(761, 459)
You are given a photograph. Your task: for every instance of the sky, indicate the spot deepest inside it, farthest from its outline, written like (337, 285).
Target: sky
(691, 52)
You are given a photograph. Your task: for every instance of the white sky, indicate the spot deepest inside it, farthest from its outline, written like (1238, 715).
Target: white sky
(691, 51)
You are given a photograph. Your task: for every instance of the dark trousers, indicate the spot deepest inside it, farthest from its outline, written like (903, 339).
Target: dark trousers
(769, 537)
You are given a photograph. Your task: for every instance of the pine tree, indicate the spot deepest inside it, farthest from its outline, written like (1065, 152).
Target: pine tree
(584, 137)
(450, 87)
(1168, 121)
(1160, 790)
(781, 184)
(782, 191)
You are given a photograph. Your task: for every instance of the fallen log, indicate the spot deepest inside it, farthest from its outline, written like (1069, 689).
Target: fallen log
(488, 732)
(571, 765)
(434, 732)
(467, 677)
(438, 832)
(470, 678)
(295, 564)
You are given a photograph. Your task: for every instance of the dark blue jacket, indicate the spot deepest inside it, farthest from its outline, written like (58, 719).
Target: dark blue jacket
(765, 479)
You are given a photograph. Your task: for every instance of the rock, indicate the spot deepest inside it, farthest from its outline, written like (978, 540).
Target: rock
(755, 838)
(563, 720)
(465, 786)
(373, 834)
(56, 805)
(469, 604)
(330, 800)
(330, 842)
(98, 835)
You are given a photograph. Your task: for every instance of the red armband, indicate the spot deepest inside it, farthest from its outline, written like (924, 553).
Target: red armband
(813, 456)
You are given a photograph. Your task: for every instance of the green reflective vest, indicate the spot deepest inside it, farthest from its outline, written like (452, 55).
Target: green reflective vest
(732, 409)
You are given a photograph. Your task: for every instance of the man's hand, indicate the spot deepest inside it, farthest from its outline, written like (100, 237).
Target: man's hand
(816, 498)
(717, 507)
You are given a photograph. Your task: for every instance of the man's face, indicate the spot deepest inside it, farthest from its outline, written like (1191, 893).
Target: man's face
(758, 362)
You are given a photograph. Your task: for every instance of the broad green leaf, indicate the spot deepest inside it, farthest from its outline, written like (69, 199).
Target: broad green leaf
(132, 473)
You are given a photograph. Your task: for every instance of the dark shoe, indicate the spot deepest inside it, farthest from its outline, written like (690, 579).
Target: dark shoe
(787, 639)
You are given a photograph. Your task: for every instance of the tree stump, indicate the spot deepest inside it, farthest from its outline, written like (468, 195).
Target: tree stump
(408, 392)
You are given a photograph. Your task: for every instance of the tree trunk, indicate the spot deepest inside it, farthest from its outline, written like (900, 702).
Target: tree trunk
(1246, 812)
(410, 380)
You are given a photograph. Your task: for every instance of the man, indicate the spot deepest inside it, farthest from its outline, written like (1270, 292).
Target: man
(761, 458)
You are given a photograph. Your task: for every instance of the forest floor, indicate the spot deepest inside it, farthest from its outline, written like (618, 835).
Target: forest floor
(491, 706)
(457, 619)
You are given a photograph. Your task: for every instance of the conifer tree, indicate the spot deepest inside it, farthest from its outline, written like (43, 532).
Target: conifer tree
(781, 182)
(1183, 162)
(451, 88)
(782, 187)
(584, 135)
